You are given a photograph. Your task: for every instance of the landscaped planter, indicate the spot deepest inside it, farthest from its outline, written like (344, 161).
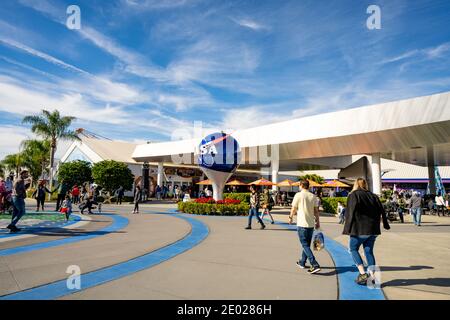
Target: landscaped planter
(206, 206)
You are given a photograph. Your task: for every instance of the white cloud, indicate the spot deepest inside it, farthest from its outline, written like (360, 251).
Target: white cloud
(248, 117)
(251, 24)
(158, 4)
(437, 51)
(11, 137)
(421, 54)
(39, 54)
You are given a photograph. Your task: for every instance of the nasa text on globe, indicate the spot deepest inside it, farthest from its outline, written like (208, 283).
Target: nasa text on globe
(219, 152)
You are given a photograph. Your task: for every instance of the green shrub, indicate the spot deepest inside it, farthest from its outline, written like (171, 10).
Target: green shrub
(243, 197)
(213, 209)
(330, 205)
(31, 190)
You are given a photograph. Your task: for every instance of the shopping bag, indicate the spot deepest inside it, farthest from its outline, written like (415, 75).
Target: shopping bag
(318, 241)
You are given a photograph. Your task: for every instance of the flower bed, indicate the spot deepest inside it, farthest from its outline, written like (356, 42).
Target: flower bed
(214, 208)
(242, 196)
(212, 201)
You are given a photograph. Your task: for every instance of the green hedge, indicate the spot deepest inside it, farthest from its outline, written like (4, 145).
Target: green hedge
(213, 209)
(329, 205)
(31, 190)
(244, 197)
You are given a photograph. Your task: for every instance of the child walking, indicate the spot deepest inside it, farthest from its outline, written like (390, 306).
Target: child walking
(66, 207)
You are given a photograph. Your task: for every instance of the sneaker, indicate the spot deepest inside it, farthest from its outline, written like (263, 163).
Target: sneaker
(313, 270)
(263, 226)
(362, 279)
(301, 266)
(248, 228)
(273, 222)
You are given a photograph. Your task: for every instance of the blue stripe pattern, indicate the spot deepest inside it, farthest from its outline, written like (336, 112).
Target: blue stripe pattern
(119, 223)
(199, 231)
(346, 271)
(35, 229)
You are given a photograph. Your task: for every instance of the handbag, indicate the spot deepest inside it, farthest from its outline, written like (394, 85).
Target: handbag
(318, 241)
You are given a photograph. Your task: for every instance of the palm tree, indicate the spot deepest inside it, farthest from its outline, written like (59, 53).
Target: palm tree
(35, 156)
(51, 126)
(313, 177)
(13, 162)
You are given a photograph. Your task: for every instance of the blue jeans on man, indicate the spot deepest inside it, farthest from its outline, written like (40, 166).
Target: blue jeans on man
(368, 243)
(19, 210)
(305, 236)
(417, 215)
(254, 212)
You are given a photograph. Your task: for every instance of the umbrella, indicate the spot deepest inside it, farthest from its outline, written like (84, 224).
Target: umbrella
(262, 182)
(205, 182)
(287, 183)
(335, 184)
(312, 184)
(236, 182)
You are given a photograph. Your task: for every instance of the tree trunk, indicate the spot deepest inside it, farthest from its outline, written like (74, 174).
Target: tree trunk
(52, 160)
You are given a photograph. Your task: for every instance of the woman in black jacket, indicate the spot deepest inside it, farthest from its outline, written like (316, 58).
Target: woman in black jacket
(362, 223)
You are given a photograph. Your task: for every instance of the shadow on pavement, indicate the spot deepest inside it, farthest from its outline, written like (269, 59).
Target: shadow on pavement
(340, 270)
(61, 232)
(436, 282)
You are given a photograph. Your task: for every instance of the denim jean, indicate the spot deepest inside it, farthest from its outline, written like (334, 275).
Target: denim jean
(253, 212)
(417, 215)
(19, 210)
(368, 243)
(305, 236)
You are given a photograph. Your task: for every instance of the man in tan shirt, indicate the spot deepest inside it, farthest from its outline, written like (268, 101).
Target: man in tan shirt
(306, 206)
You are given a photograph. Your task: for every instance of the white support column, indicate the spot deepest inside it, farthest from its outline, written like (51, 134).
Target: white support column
(431, 173)
(376, 173)
(274, 167)
(160, 173)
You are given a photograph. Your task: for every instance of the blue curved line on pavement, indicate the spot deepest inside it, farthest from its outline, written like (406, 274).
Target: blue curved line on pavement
(118, 223)
(39, 227)
(345, 269)
(199, 231)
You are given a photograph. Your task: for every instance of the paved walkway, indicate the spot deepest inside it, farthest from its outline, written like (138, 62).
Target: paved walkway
(414, 260)
(230, 263)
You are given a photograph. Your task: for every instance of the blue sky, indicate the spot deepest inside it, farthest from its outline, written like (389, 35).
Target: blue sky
(139, 69)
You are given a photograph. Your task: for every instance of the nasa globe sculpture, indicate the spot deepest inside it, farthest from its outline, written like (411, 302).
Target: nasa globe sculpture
(218, 156)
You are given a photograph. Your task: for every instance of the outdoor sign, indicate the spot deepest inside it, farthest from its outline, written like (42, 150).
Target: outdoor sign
(219, 156)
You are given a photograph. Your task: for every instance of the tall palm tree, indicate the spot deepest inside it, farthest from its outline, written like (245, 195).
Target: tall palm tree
(51, 126)
(35, 156)
(13, 162)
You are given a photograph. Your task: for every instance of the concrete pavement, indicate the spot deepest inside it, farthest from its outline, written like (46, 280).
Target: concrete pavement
(231, 263)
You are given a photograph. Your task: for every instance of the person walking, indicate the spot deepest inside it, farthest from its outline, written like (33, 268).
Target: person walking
(20, 186)
(2, 194)
(341, 212)
(401, 207)
(39, 194)
(137, 199)
(266, 205)
(75, 194)
(440, 204)
(254, 209)
(63, 188)
(415, 206)
(120, 193)
(362, 224)
(158, 191)
(306, 206)
(66, 207)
